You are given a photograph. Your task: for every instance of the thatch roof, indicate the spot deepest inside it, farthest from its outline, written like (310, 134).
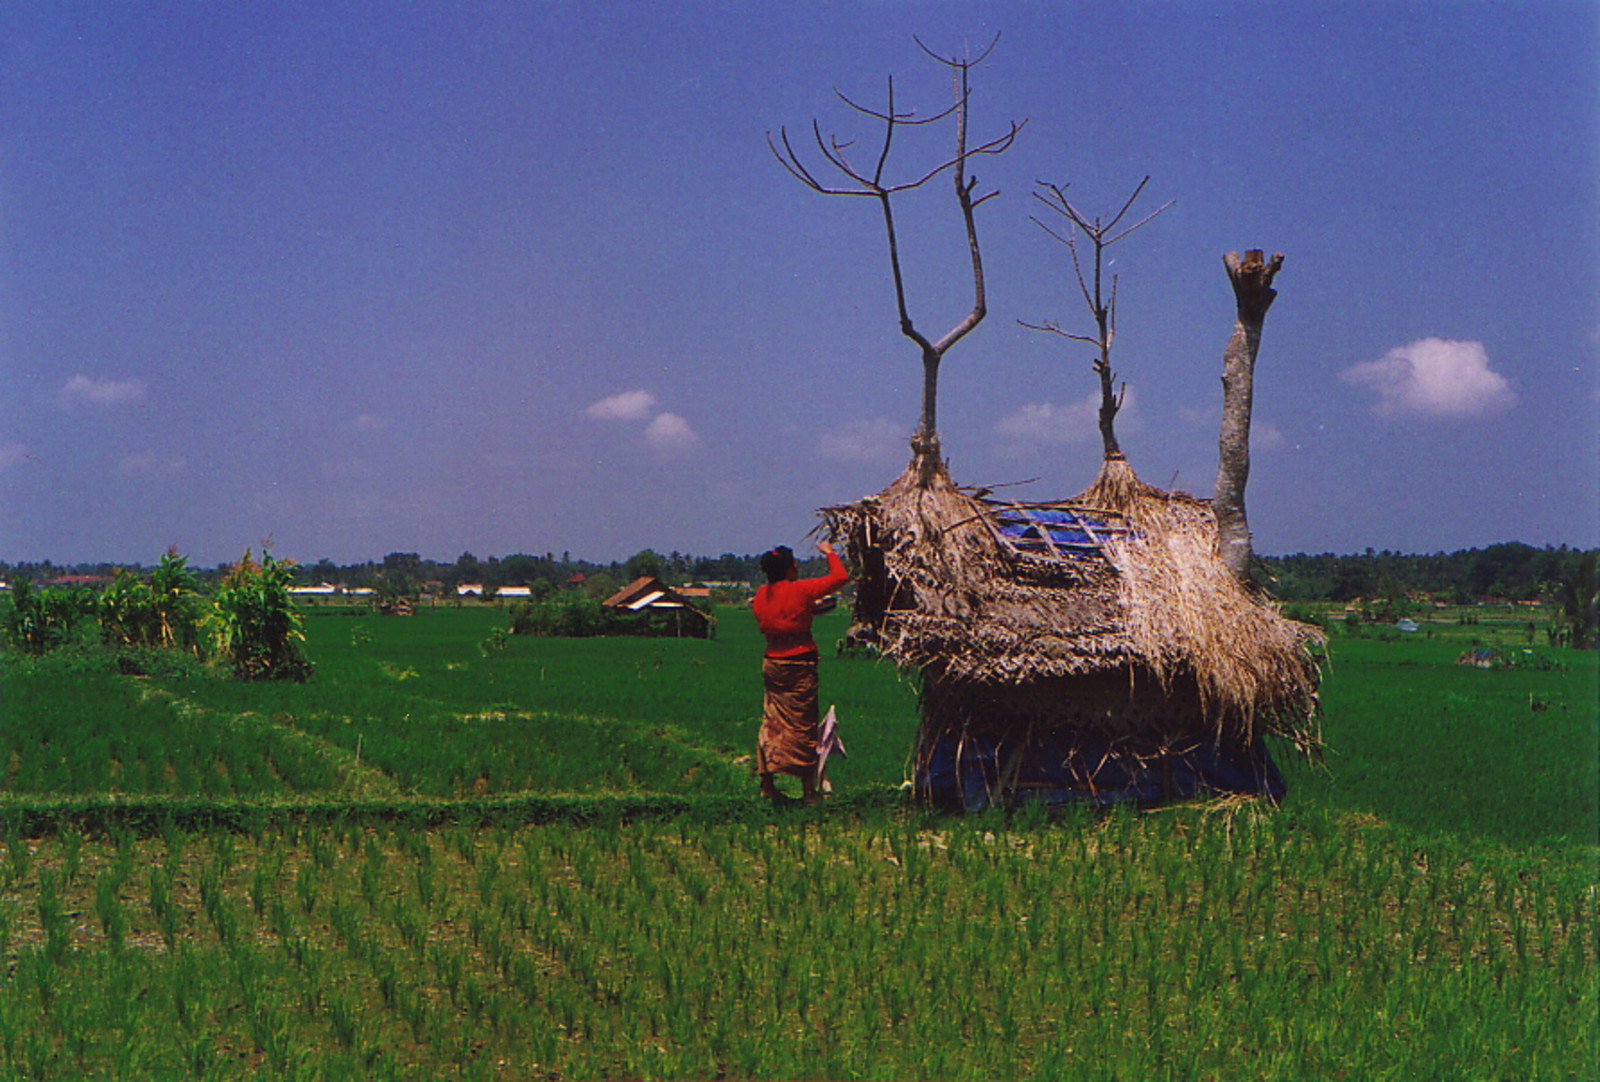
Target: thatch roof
(1124, 579)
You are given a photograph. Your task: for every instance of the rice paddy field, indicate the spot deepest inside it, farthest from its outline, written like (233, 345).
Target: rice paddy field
(444, 857)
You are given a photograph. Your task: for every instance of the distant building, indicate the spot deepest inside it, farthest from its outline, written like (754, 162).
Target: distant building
(670, 610)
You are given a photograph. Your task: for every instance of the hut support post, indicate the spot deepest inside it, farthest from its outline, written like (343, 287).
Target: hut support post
(1251, 275)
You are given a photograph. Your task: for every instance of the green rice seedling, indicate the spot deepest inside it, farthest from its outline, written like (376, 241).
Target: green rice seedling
(348, 926)
(166, 913)
(53, 919)
(424, 872)
(344, 1020)
(108, 907)
(372, 873)
(19, 855)
(214, 900)
(125, 856)
(71, 851)
(323, 854)
(488, 874)
(412, 928)
(1174, 945)
(305, 888)
(264, 880)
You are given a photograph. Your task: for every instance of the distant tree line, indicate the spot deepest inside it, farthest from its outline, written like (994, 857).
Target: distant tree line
(410, 574)
(1504, 572)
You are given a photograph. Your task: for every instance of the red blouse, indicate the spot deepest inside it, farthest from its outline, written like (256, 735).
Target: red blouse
(783, 609)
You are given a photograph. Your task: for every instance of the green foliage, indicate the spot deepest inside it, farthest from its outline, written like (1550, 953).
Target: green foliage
(1510, 572)
(571, 616)
(497, 640)
(647, 562)
(41, 620)
(254, 627)
(164, 612)
(82, 658)
(1577, 597)
(399, 580)
(1304, 613)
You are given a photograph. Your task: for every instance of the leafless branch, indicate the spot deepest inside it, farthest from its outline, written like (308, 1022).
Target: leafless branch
(891, 115)
(959, 63)
(834, 151)
(1052, 328)
(1101, 302)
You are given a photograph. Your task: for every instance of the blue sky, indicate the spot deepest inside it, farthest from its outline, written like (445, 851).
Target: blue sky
(361, 277)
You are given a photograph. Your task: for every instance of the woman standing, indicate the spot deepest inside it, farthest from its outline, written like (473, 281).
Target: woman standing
(788, 740)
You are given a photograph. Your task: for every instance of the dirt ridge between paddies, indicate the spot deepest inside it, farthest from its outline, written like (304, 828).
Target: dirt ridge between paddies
(36, 816)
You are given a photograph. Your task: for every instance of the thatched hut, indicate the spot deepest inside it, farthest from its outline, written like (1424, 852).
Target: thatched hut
(1092, 649)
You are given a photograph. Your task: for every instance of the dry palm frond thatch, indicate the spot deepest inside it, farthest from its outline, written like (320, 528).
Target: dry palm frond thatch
(1135, 633)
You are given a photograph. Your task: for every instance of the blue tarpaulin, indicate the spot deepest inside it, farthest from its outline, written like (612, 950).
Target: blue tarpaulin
(1053, 530)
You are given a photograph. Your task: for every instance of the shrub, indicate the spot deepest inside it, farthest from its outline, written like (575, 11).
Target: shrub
(571, 617)
(254, 627)
(75, 659)
(164, 612)
(41, 620)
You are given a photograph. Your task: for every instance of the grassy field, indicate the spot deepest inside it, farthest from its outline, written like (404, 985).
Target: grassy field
(440, 858)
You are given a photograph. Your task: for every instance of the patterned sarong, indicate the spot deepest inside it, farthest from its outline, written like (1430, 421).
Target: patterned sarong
(788, 740)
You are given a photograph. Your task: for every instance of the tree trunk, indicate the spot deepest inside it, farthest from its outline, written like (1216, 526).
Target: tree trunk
(928, 423)
(1251, 275)
(1109, 405)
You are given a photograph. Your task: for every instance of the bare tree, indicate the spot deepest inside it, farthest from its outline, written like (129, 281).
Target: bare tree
(1251, 275)
(1102, 301)
(870, 182)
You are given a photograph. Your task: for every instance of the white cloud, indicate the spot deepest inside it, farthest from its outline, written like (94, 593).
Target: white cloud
(627, 406)
(101, 392)
(369, 424)
(1434, 377)
(877, 441)
(668, 431)
(12, 454)
(1075, 422)
(1266, 437)
(664, 432)
(151, 464)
